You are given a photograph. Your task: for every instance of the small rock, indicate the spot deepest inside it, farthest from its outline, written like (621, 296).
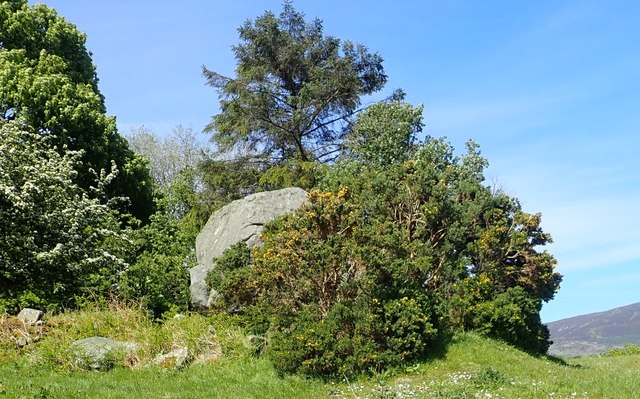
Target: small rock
(179, 316)
(174, 359)
(255, 342)
(30, 316)
(23, 341)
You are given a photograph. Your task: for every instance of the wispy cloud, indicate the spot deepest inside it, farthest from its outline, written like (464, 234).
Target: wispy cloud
(595, 233)
(593, 221)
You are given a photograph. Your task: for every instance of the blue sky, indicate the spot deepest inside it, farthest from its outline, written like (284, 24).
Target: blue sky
(549, 89)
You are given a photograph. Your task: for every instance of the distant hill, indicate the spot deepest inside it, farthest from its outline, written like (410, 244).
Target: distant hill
(596, 332)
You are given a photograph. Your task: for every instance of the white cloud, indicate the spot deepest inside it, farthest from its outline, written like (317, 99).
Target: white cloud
(590, 208)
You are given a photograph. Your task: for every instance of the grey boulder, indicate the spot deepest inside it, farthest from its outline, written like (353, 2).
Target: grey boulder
(241, 220)
(30, 316)
(26, 334)
(99, 353)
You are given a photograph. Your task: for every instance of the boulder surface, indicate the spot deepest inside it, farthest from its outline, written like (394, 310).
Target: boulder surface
(30, 316)
(241, 220)
(99, 353)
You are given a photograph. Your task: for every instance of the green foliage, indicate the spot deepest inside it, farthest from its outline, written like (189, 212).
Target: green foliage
(58, 242)
(292, 174)
(230, 272)
(626, 350)
(514, 317)
(226, 181)
(48, 32)
(294, 89)
(352, 338)
(160, 281)
(385, 133)
(159, 275)
(405, 243)
(48, 80)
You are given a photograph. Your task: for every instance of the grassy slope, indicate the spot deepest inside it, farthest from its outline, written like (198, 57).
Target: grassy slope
(476, 367)
(473, 367)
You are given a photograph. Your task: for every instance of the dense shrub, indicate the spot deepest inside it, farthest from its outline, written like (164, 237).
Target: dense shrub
(328, 307)
(58, 241)
(396, 249)
(159, 275)
(160, 282)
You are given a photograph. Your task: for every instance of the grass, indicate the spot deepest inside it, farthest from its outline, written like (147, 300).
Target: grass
(238, 379)
(223, 366)
(477, 367)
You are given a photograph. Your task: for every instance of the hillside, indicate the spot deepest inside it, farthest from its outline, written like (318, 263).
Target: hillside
(469, 366)
(596, 332)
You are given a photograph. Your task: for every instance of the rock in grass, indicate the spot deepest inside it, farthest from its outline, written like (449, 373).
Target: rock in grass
(174, 359)
(22, 341)
(255, 343)
(99, 353)
(30, 316)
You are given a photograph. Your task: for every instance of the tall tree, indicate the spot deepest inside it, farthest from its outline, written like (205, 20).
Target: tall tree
(47, 78)
(294, 91)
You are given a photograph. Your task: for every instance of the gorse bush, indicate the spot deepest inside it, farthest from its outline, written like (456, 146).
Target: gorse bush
(320, 297)
(396, 250)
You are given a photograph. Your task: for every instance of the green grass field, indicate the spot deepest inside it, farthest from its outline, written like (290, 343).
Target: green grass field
(470, 367)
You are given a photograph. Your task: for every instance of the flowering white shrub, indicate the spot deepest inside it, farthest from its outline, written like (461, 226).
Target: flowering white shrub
(56, 240)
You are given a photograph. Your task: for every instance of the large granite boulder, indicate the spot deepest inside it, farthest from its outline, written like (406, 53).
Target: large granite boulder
(241, 220)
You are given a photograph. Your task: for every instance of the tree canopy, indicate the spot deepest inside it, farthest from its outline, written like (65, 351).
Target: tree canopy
(48, 80)
(169, 156)
(295, 89)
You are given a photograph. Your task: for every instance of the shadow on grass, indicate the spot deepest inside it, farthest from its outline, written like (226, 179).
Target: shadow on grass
(440, 347)
(560, 361)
